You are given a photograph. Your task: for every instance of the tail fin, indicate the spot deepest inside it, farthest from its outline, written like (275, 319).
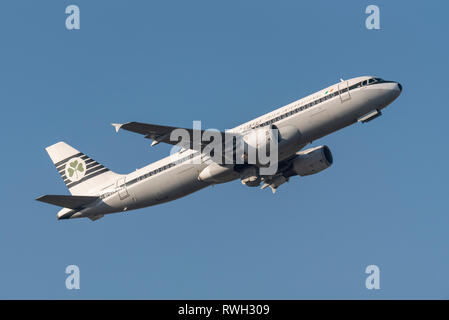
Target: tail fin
(81, 174)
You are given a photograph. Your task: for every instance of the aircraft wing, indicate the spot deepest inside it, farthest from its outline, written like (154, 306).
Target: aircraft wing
(159, 133)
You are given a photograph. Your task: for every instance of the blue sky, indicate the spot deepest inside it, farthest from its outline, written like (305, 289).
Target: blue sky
(383, 201)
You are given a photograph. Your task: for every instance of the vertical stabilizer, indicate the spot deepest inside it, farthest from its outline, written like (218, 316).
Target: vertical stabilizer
(81, 174)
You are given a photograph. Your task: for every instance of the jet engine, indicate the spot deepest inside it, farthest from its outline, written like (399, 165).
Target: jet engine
(255, 142)
(312, 161)
(215, 173)
(287, 141)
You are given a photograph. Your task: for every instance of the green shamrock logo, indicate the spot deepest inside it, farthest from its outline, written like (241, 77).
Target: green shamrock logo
(75, 169)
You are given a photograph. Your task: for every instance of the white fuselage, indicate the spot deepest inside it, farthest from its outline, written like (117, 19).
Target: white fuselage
(315, 116)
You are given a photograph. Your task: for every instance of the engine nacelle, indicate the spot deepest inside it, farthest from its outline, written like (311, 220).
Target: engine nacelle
(284, 140)
(215, 173)
(289, 140)
(312, 161)
(258, 139)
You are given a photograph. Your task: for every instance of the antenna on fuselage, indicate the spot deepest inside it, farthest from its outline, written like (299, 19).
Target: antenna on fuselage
(341, 79)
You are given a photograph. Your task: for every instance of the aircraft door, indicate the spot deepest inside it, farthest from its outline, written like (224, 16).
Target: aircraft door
(121, 187)
(343, 91)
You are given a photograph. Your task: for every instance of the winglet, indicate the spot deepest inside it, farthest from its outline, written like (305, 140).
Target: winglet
(117, 126)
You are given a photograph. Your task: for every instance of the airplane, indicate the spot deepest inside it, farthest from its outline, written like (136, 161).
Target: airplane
(96, 190)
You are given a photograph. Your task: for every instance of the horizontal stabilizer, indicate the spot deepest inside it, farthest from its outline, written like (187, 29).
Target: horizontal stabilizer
(72, 202)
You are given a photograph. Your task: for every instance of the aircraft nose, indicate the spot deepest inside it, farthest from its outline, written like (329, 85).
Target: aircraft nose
(396, 92)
